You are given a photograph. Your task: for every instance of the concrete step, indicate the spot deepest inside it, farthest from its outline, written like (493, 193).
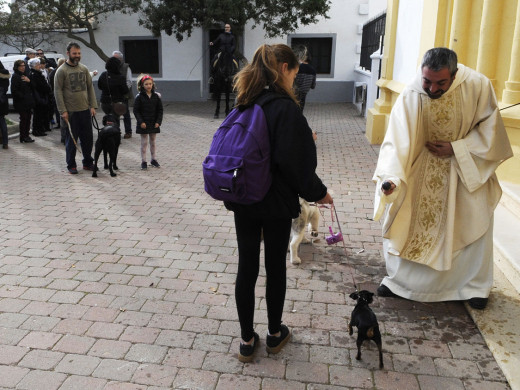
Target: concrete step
(498, 324)
(511, 197)
(507, 234)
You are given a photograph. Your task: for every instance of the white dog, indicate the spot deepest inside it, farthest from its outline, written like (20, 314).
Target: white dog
(309, 217)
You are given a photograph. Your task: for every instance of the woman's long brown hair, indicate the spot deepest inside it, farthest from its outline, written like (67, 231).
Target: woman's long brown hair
(265, 70)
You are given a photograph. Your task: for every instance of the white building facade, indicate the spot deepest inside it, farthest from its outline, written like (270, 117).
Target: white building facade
(181, 69)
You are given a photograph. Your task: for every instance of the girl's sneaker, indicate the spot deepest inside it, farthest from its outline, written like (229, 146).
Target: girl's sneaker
(154, 163)
(246, 352)
(144, 165)
(276, 343)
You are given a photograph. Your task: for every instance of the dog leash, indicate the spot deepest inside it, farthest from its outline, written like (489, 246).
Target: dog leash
(334, 212)
(345, 248)
(73, 139)
(95, 123)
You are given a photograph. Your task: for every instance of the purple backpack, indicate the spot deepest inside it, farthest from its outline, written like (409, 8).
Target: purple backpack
(238, 166)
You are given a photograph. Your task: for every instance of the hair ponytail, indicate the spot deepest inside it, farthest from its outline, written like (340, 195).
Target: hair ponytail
(264, 71)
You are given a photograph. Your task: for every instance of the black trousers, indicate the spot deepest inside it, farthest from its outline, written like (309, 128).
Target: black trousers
(276, 240)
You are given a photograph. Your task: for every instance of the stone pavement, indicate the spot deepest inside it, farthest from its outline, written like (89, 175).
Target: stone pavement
(128, 282)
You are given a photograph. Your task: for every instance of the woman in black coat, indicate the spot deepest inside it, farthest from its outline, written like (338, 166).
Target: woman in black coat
(113, 87)
(42, 98)
(4, 104)
(23, 99)
(148, 111)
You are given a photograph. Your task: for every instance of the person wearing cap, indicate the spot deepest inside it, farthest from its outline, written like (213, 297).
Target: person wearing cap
(29, 55)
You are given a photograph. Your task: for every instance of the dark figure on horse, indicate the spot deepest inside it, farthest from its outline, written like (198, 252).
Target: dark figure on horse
(223, 67)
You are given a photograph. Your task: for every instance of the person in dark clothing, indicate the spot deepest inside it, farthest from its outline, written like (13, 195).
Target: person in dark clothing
(113, 87)
(226, 45)
(293, 167)
(49, 62)
(41, 92)
(4, 104)
(129, 97)
(59, 125)
(306, 77)
(148, 111)
(23, 99)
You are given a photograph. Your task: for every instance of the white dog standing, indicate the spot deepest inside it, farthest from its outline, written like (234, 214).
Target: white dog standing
(309, 217)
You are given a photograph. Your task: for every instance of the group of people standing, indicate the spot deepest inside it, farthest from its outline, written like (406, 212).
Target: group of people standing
(67, 91)
(32, 94)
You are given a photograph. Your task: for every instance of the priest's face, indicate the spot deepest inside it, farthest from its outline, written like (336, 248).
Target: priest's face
(435, 84)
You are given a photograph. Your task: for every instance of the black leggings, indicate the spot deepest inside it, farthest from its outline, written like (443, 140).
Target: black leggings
(276, 240)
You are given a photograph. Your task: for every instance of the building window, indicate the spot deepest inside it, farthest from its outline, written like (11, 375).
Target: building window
(321, 48)
(142, 54)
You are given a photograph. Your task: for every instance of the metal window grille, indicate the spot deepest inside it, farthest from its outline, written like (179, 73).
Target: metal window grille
(373, 34)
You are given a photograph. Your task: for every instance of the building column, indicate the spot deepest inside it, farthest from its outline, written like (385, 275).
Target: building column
(489, 36)
(459, 27)
(511, 94)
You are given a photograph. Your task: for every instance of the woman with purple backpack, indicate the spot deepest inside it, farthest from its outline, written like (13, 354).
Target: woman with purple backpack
(293, 168)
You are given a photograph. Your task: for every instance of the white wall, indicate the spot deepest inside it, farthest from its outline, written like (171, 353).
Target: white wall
(178, 59)
(344, 21)
(376, 7)
(407, 40)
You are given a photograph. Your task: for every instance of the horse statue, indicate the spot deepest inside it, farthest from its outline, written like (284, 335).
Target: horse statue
(224, 69)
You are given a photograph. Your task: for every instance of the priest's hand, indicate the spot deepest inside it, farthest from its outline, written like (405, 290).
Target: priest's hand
(388, 187)
(440, 149)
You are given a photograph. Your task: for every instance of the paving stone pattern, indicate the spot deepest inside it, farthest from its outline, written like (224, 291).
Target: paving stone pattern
(128, 282)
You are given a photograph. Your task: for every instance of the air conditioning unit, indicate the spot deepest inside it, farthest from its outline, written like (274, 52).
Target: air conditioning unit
(360, 92)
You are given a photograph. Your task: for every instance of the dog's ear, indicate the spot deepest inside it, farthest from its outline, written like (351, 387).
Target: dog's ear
(354, 296)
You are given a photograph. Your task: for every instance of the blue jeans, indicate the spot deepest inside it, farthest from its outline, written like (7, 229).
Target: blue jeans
(3, 128)
(81, 125)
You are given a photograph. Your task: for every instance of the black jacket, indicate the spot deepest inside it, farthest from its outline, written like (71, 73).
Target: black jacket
(148, 110)
(112, 84)
(4, 86)
(225, 42)
(293, 163)
(23, 99)
(41, 89)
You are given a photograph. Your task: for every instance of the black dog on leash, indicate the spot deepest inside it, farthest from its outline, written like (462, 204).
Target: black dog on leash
(365, 320)
(109, 139)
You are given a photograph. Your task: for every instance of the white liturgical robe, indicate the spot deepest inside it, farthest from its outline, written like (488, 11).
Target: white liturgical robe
(438, 223)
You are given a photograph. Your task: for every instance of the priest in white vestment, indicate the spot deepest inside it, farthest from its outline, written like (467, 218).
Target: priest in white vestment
(436, 186)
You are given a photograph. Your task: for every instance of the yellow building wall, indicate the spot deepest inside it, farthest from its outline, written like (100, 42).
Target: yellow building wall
(485, 34)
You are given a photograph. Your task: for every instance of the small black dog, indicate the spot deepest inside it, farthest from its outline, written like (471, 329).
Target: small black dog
(109, 139)
(365, 320)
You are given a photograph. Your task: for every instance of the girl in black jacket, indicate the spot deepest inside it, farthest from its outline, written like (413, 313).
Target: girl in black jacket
(293, 169)
(23, 99)
(148, 111)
